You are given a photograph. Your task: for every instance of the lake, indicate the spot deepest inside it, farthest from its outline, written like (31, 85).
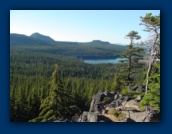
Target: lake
(100, 61)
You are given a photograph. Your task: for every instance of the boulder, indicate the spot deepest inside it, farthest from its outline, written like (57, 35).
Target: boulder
(102, 118)
(118, 102)
(96, 100)
(139, 97)
(132, 104)
(153, 116)
(75, 118)
(145, 116)
(136, 116)
(116, 96)
(92, 117)
(83, 117)
(114, 104)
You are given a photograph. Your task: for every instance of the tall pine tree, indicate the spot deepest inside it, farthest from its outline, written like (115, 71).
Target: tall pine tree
(132, 55)
(152, 25)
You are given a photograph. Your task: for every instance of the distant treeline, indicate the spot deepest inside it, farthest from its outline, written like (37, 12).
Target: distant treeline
(89, 50)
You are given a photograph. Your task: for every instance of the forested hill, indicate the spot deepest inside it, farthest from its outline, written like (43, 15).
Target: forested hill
(41, 37)
(23, 40)
(37, 43)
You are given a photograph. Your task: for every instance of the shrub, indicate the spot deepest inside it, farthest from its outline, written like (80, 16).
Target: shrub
(131, 94)
(106, 100)
(118, 114)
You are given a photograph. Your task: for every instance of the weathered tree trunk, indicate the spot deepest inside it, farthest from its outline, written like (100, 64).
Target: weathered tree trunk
(152, 58)
(129, 62)
(129, 68)
(148, 74)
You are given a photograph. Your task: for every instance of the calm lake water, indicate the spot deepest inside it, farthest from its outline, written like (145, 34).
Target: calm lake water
(99, 61)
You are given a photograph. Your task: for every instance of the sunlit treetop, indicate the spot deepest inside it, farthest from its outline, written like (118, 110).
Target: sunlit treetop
(150, 22)
(133, 35)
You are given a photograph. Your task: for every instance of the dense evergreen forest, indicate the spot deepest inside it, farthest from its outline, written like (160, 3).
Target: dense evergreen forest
(49, 80)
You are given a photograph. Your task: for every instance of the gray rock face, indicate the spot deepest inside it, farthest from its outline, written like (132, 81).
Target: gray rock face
(92, 117)
(88, 117)
(119, 101)
(96, 101)
(96, 108)
(98, 98)
(146, 116)
(102, 118)
(116, 96)
(136, 116)
(153, 116)
(83, 117)
(132, 104)
(75, 118)
(101, 112)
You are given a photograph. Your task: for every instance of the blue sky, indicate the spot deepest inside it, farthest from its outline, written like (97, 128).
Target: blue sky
(80, 25)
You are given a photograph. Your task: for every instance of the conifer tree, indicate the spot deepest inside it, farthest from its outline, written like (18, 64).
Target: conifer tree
(152, 25)
(59, 103)
(152, 98)
(52, 105)
(132, 54)
(117, 84)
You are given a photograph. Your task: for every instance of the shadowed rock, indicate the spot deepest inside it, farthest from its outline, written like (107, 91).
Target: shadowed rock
(129, 108)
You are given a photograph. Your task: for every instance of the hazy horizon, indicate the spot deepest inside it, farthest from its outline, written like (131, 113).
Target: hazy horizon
(80, 25)
(118, 43)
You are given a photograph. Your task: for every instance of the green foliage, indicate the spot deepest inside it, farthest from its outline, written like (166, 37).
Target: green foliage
(132, 55)
(38, 119)
(133, 35)
(152, 98)
(132, 94)
(150, 22)
(118, 114)
(106, 100)
(37, 95)
(54, 105)
(118, 84)
(30, 76)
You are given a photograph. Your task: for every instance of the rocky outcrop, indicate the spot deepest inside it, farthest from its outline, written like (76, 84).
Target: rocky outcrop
(94, 107)
(104, 104)
(88, 117)
(153, 116)
(146, 116)
(139, 88)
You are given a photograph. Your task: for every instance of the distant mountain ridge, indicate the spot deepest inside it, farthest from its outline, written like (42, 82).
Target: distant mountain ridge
(41, 44)
(41, 37)
(20, 39)
(37, 38)
(100, 42)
